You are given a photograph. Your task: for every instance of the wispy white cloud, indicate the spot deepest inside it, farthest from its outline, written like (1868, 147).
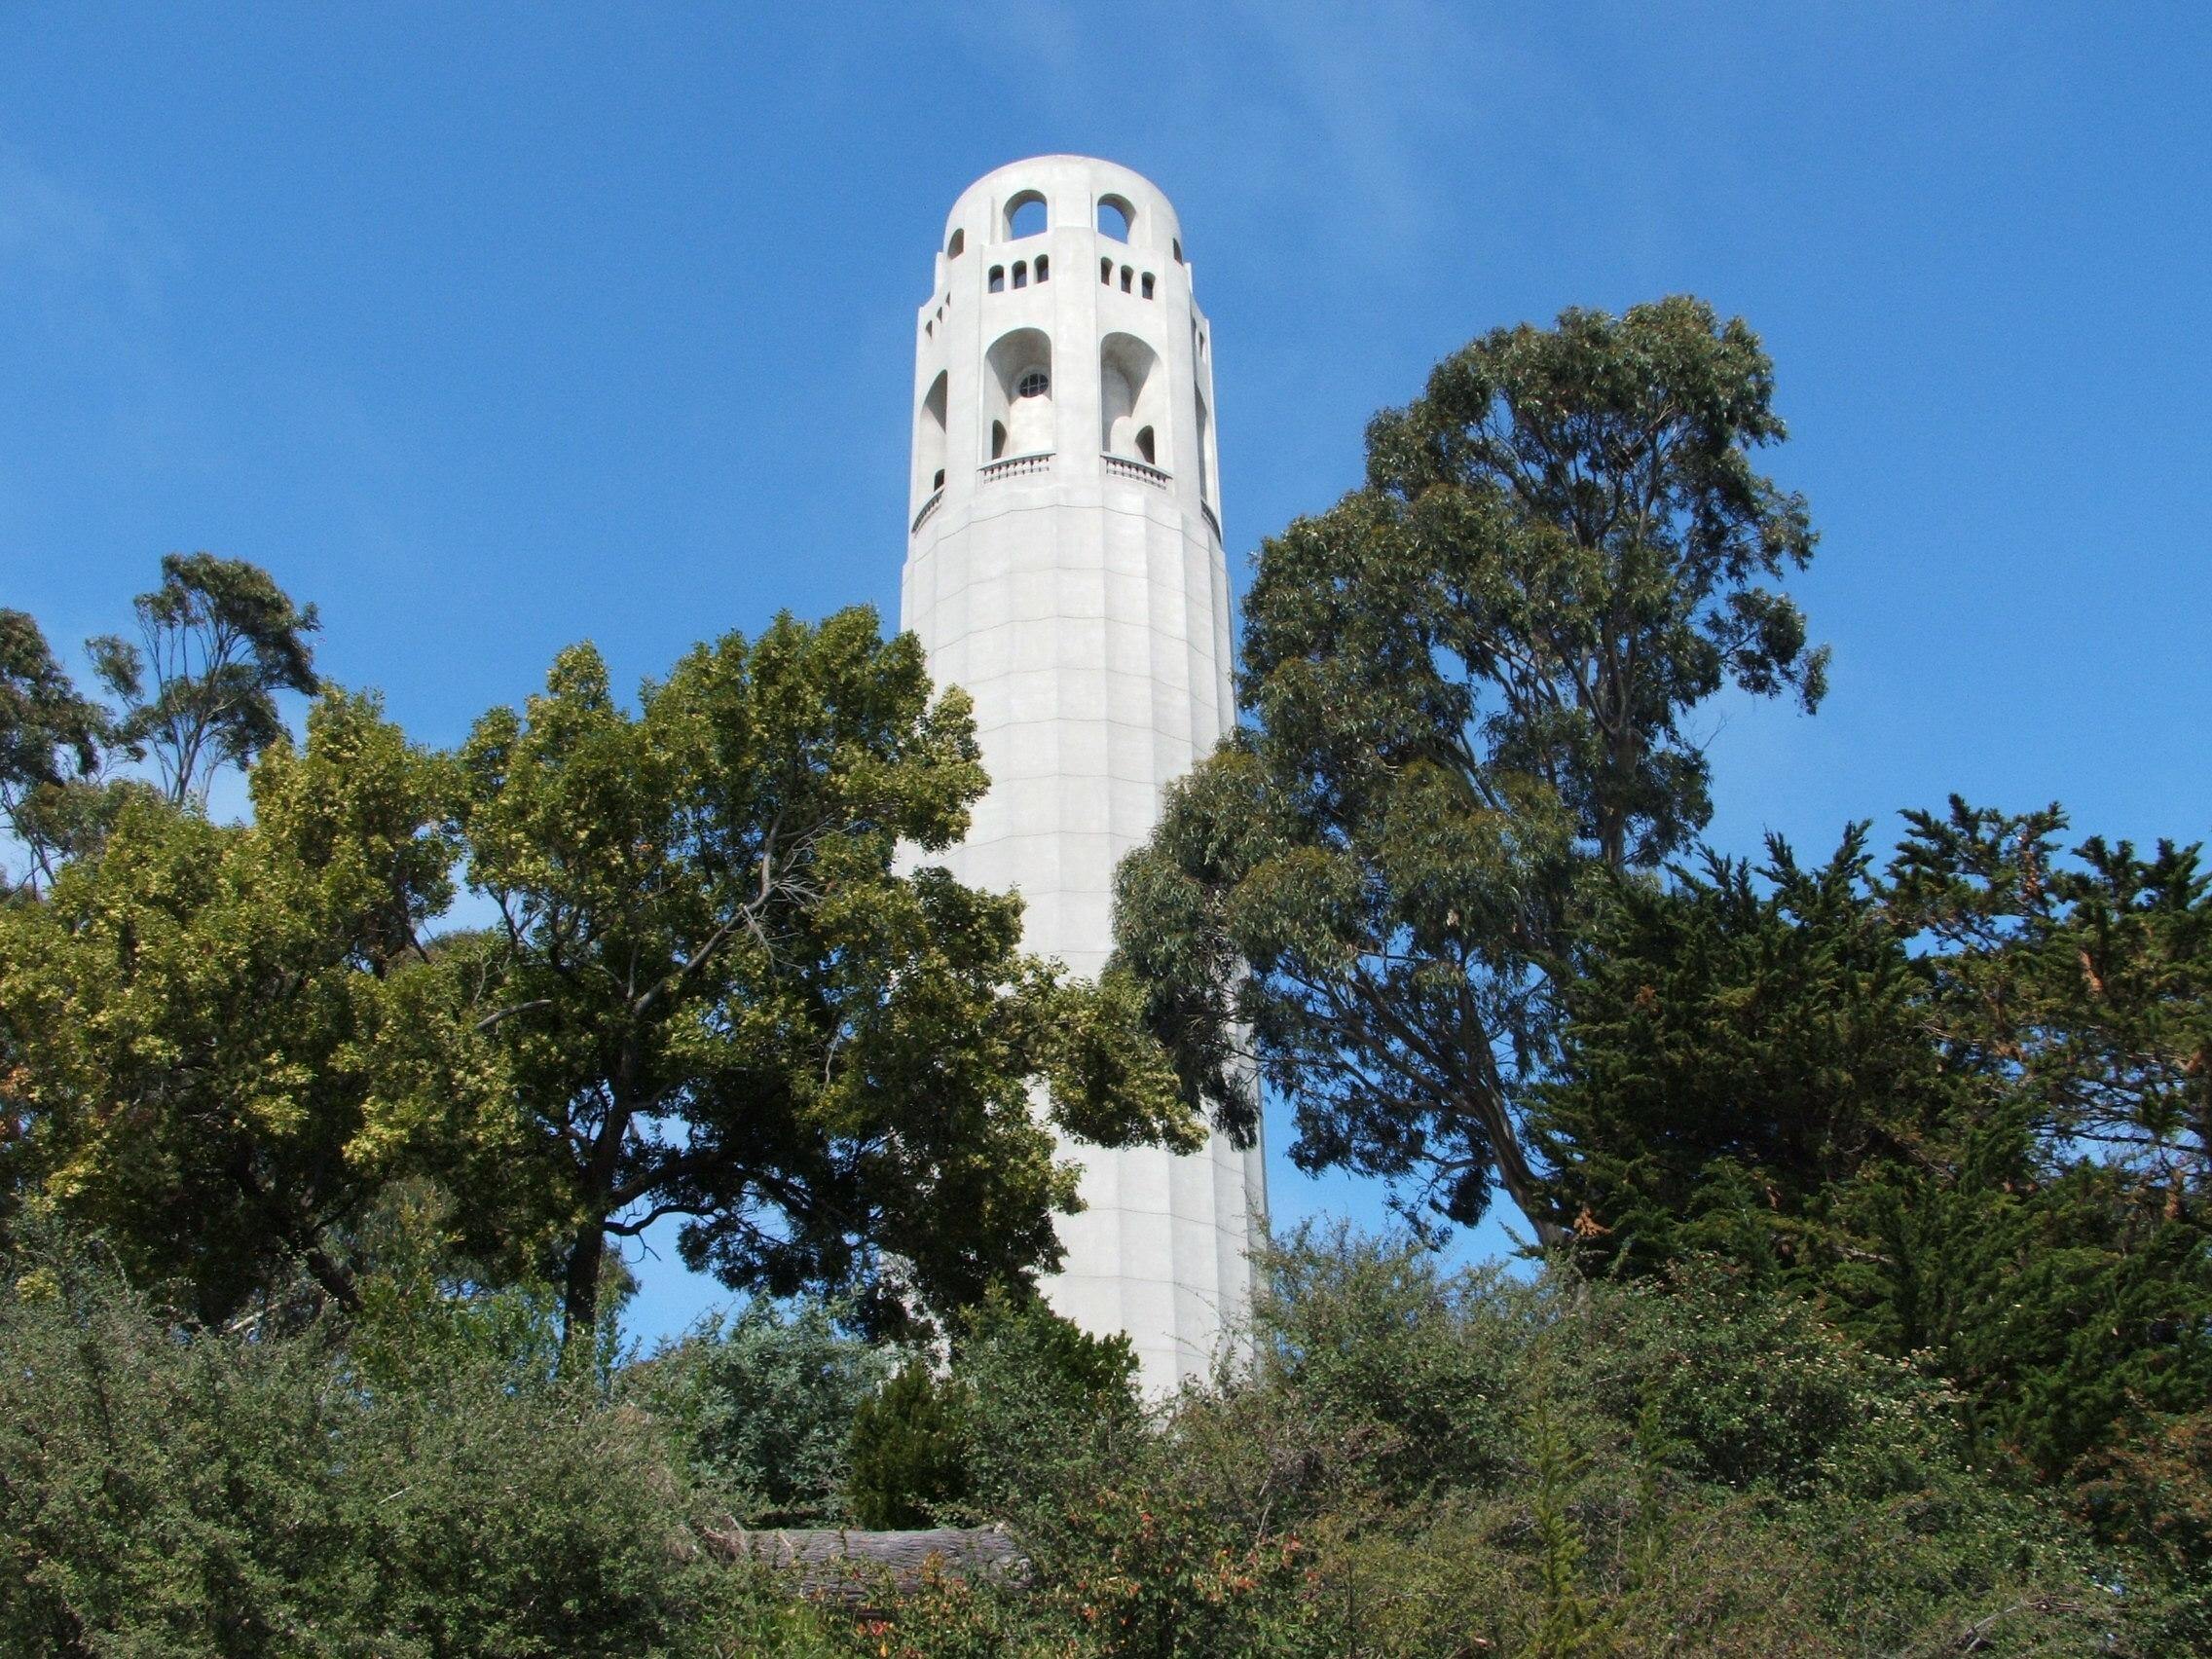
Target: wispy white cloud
(1381, 100)
(67, 248)
(1343, 119)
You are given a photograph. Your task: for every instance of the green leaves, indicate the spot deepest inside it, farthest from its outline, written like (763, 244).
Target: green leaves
(216, 642)
(1581, 504)
(1469, 685)
(1950, 1107)
(221, 1042)
(716, 993)
(2086, 980)
(905, 1450)
(51, 741)
(1767, 1021)
(712, 987)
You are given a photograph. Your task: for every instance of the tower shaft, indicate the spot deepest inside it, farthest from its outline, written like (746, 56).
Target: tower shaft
(1064, 565)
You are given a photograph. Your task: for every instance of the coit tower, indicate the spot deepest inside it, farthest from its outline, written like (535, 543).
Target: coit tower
(1064, 564)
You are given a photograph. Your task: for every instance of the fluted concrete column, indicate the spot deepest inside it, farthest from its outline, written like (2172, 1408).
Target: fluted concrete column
(1064, 564)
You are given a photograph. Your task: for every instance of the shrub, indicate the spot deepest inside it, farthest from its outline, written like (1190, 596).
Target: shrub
(906, 1459)
(759, 1408)
(1043, 1403)
(166, 1489)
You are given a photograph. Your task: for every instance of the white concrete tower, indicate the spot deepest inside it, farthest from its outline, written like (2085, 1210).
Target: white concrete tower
(1065, 566)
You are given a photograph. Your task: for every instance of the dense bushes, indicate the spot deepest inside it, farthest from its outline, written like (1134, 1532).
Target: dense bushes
(758, 1408)
(1626, 1468)
(1408, 1462)
(242, 1493)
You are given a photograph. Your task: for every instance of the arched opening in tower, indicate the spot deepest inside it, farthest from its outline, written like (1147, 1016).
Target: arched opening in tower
(1132, 398)
(1019, 393)
(930, 441)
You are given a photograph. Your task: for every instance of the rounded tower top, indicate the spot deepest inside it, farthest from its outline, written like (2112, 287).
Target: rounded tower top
(1062, 192)
(1062, 355)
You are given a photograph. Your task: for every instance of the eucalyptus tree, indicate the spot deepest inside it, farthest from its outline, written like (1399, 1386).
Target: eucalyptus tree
(194, 693)
(198, 687)
(51, 740)
(216, 642)
(1469, 688)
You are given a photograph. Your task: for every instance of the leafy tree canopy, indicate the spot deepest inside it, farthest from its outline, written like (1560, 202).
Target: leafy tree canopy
(49, 737)
(1958, 1104)
(217, 1050)
(196, 692)
(216, 642)
(713, 993)
(713, 990)
(1467, 685)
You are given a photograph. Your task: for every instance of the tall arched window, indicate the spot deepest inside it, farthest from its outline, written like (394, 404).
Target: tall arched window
(1021, 274)
(1026, 215)
(1148, 285)
(1017, 393)
(1106, 271)
(1116, 218)
(1204, 447)
(1132, 398)
(1043, 267)
(929, 441)
(998, 279)
(957, 245)
(1127, 274)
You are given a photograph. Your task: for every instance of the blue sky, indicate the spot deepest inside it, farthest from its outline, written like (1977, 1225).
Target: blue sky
(492, 327)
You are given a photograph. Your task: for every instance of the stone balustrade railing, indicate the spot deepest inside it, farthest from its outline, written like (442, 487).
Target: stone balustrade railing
(1016, 467)
(1122, 467)
(928, 507)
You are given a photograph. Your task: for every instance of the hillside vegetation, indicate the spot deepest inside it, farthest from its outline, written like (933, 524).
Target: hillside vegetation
(1869, 1309)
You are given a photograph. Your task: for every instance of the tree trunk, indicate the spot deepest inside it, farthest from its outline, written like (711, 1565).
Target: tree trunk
(579, 1294)
(1514, 1171)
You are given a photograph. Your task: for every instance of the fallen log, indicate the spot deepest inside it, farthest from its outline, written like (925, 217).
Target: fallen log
(857, 1568)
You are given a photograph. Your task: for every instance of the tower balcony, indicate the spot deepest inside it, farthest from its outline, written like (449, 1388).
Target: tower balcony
(1015, 466)
(1123, 466)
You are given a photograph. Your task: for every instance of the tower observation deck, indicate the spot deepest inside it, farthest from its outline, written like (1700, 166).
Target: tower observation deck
(1064, 564)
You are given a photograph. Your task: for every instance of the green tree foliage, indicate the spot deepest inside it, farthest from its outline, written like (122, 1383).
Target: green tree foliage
(172, 1494)
(1038, 1396)
(1628, 1467)
(1468, 684)
(1955, 1105)
(906, 1461)
(51, 739)
(715, 994)
(1567, 1622)
(1740, 1043)
(1690, 1465)
(1027, 1398)
(219, 1048)
(761, 1407)
(712, 990)
(216, 642)
(2083, 986)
